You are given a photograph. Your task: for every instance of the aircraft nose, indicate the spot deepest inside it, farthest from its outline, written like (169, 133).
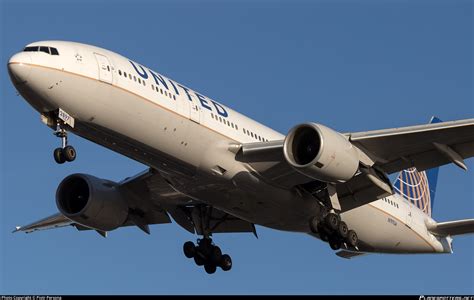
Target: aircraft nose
(19, 67)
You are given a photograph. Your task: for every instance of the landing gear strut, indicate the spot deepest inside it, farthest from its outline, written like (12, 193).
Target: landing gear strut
(65, 152)
(206, 254)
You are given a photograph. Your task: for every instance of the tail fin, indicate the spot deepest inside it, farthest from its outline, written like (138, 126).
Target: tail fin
(419, 187)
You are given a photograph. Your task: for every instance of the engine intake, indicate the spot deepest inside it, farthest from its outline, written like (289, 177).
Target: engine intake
(92, 202)
(320, 153)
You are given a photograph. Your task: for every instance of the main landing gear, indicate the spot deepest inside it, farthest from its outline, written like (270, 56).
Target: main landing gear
(334, 231)
(65, 152)
(206, 254)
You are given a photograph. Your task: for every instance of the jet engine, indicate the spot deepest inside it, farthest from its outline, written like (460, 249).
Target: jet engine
(321, 153)
(92, 202)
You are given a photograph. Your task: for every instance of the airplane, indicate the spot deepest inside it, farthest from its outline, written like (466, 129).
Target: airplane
(212, 170)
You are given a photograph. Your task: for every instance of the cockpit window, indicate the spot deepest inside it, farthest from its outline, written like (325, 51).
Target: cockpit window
(47, 50)
(44, 49)
(31, 49)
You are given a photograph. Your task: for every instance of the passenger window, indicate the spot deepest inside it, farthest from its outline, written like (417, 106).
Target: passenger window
(54, 51)
(139, 80)
(129, 76)
(135, 78)
(161, 91)
(120, 73)
(108, 68)
(44, 49)
(174, 97)
(236, 127)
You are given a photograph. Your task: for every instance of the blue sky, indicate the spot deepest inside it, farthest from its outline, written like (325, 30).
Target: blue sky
(352, 65)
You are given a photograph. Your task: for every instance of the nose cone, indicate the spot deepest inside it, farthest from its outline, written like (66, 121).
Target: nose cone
(19, 67)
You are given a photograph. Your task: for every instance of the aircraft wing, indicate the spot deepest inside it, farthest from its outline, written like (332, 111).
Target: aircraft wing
(156, 199)
(392, 150)
(389, 150)
(53, 221)
(422, 146)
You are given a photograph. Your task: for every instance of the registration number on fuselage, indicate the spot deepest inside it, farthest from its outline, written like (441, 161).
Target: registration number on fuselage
(392, 221)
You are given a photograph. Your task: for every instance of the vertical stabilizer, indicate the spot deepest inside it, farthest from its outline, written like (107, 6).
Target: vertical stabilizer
(418, 187)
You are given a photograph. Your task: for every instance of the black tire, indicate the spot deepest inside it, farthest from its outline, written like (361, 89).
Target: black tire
(226, 263)
(323, 235)
(332, 221)
(210, 268)
(205, 247)
(343, 230)
(314, 225)
(59, 156)
(352, 238)
(199, 260)
(189, 249)
(216, 255)
(334, 243)
(69, 153)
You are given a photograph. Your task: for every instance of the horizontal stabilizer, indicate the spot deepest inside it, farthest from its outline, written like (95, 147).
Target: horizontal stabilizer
(452, 228)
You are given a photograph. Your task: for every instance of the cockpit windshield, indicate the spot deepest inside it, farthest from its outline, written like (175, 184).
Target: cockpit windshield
(48, 50)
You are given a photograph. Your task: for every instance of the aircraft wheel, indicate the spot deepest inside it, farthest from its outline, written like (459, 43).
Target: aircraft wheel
(69, 153)
(210, 268)
(226, 262)
(189, 249)
(343, 230)
(322, 233)
(332, 221)
(352, 238)
(334, 243)
(199, 260)
(59, 156)
(216, 254)
(314, 225)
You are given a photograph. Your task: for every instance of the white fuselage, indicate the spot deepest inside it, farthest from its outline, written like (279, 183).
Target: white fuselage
(187, 136)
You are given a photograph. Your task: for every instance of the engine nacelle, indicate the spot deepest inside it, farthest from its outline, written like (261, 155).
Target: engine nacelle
(92, 202)
(321, 153)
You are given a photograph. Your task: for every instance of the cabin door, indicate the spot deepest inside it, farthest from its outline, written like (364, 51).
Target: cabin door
(105, 68)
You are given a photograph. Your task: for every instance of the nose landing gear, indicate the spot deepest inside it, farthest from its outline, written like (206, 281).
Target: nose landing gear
(65, 152)
(206, 254)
